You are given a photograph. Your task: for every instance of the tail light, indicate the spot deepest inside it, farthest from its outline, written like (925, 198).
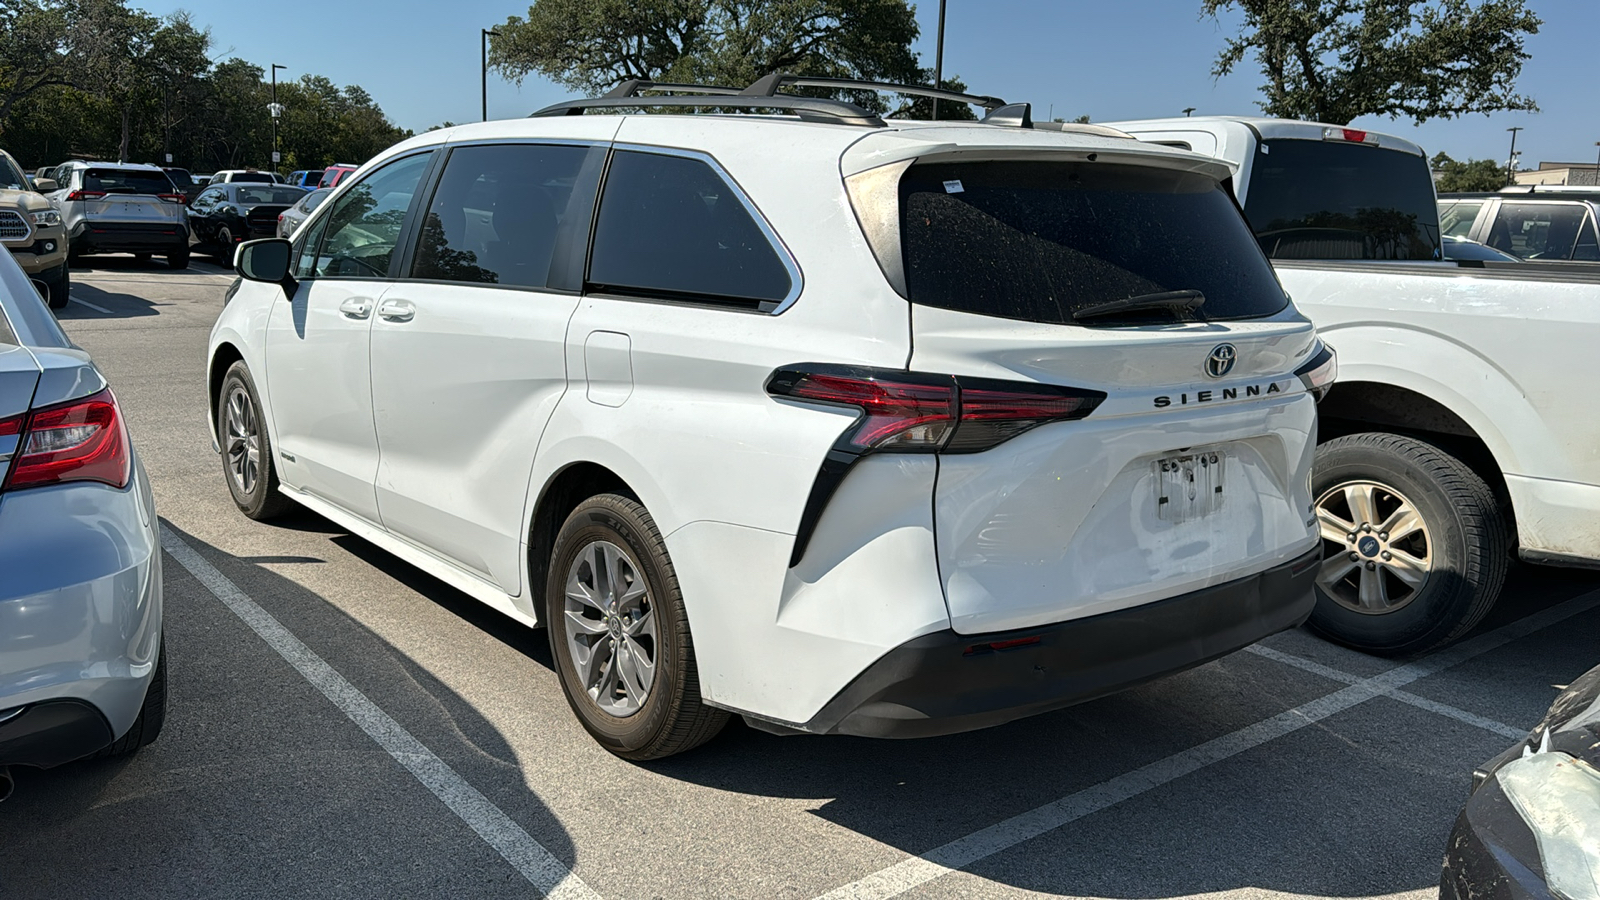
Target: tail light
(914, 412)
(1320, 371)
(173, 198)
(1351, 135)
(80, 440)
(86, 195)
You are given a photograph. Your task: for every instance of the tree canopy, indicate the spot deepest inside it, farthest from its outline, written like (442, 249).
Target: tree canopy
(1335, 60)
(1454, 176)
(591, 45)
(99, 79)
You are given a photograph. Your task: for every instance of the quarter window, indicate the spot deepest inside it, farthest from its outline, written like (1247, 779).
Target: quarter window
(364, 224)
(496, 212)
(672, 227)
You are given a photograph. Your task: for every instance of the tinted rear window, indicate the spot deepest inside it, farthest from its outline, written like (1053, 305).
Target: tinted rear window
(123, 181)
(269, 195)
(253, 177)
(1330, 200)
(1039, 241)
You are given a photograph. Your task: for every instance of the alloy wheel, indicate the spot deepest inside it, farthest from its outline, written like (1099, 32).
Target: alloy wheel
(1377, 552)
(611, 628)
(242, 441)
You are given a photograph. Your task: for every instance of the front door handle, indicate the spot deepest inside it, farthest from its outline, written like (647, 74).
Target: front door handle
(396, 311)
(356, 308)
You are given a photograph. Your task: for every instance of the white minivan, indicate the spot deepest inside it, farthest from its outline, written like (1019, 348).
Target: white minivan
(840, 424)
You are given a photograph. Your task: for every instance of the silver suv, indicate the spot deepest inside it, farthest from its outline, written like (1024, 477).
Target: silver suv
(122, 208)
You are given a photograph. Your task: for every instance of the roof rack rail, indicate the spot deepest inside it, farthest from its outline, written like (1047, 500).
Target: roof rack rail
(768, 85)
(627, 95)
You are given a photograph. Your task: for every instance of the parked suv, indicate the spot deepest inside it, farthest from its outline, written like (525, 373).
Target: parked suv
(1527, 223)
(844, 425)
(122, 208)
(32, 231)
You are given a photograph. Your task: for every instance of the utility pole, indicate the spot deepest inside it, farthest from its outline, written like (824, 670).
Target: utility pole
(1597, 163)
(1188, 111)
(938, 60)
(276, 111)
(487, 33)
(1511, 161)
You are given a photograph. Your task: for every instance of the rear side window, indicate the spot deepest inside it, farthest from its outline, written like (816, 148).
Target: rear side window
(124, 181)
(497, 211)
(1038, 241)
(1332, 200)
(364, 226)
(1538, 230)
(672, 227)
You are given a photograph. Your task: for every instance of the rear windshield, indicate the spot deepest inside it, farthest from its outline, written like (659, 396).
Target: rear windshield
(126, 181)
(1329, 200)
(252, 177)
(269, 194)
(1040, 241)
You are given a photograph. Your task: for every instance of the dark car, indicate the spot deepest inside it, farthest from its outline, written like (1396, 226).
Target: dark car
(226, 214)
(184, 182)
(1459, 248)
(1532, 825)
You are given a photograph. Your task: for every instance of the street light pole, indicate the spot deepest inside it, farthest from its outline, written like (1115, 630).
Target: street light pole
(1511, 161)
(1597, 163)
(938, 60)
(275, 109)
(487, 33)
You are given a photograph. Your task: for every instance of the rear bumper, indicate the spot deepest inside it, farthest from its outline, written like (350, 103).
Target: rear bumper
(51, 733)
(129, 237)
(943, 683)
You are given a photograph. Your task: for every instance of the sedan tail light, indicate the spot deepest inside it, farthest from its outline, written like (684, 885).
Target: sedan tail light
(80, 440)
(173, 198)
(914, 412)
(86, 195)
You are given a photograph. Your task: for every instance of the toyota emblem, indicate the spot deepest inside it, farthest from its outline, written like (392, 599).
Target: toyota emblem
(1221, 360)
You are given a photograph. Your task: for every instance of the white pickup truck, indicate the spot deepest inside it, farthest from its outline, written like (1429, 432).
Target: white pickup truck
(1462, 430)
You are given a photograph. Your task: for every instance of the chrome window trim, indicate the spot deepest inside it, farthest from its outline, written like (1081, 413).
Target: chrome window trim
(796, 277)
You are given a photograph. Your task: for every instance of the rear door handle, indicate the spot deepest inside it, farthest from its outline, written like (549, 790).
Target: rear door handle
(396, 311)
(356, 308)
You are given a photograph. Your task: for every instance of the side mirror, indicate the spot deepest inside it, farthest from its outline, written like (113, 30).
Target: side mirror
(265, 260)
(45, 185)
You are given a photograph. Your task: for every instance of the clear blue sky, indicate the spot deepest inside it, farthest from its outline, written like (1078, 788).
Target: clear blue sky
(1119, 60)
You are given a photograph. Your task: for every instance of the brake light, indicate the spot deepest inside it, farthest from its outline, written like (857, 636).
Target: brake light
(172, 198)
(86, 195)
(1353, 135)
(1320, 371)
(80, 440)
(915, 412)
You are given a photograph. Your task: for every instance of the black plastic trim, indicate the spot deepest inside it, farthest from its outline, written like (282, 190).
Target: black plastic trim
(53, 732)
(811, 109)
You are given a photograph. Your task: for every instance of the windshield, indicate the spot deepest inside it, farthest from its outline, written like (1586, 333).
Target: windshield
(1330, 200)
(11, 178)
(269, 195)
(127, 181)
(1039, 241)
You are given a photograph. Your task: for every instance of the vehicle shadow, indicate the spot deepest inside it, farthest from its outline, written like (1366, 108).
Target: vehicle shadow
(259, 786)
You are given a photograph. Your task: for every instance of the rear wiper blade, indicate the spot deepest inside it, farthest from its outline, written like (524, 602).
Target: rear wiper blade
(1161, 300)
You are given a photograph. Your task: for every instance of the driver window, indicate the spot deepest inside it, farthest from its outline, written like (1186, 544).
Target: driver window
(364, 224)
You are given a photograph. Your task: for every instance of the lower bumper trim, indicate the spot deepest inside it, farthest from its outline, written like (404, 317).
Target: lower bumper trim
(943, 683)
(51, 733)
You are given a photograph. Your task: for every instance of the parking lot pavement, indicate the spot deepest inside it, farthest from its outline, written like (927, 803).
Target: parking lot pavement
(343, 725)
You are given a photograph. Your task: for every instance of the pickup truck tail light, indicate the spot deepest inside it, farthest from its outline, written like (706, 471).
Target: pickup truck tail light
(915, 412)
(1351, 135)
(86, 195)
(1320, 371)
(80, 440)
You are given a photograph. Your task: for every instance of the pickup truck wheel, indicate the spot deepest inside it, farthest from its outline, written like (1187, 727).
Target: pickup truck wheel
(1414, 545)
(620, 635)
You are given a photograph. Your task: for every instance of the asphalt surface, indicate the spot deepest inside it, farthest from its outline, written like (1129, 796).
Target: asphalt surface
(342, 725)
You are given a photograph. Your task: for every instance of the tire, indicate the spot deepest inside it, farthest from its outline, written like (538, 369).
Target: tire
(671, 718)
(1384, 602)
(60, 288)
(141, 258)
(224, 246)
(254, 490)
(178, 259)
(152, 715)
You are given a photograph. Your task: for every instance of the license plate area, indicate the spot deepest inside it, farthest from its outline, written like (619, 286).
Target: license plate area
(1189, 486)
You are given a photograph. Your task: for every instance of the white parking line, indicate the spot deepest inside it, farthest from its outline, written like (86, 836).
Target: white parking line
(963, 852)
(1433, 706)
(90, 305)
(546, 873)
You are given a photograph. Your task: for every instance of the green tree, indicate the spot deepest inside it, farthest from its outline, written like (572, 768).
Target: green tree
(1472, 175)
(34, 52)
(1335, 60)
(591, 45)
